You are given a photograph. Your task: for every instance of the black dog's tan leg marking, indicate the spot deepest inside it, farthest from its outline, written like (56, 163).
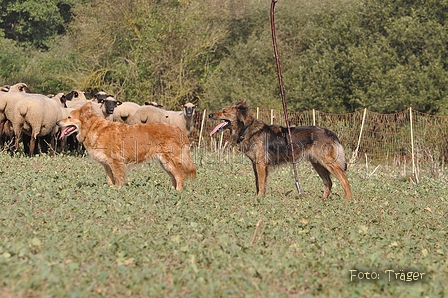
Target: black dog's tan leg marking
(325, 175)
(261, 174)
(336, 170)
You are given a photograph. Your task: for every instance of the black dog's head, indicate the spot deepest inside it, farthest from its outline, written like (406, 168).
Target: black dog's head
(233, 117)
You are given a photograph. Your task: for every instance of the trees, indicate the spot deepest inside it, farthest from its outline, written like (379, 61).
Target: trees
(340, 56)
(34, 22)
(149, 50)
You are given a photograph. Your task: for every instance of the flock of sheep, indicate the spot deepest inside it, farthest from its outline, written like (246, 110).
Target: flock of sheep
(31, 118)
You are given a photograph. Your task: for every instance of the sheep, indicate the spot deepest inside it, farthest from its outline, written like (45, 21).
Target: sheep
(153, 103)
(8, 97)
(75, 99)
(183, 119)
(19, 87)
(36, 116)
(124, 112)
(146, 114)
(104, 105)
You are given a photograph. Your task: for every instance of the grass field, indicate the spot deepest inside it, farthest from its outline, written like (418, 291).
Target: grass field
(65, 233)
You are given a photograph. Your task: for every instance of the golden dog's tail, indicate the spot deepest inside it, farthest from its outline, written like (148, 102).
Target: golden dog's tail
(188, 166)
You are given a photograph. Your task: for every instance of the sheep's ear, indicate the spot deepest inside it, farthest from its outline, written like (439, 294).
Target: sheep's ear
(147, 103)
(118, 103)
(63, 100)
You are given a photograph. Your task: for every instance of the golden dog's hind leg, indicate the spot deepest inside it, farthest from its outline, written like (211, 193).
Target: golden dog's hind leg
(118, 170)
(109, 176)
(174, 168)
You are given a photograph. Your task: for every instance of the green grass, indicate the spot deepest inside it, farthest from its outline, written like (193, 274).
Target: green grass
(65, 233)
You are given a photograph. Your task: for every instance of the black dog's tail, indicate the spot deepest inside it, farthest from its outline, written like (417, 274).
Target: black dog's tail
(340, 155)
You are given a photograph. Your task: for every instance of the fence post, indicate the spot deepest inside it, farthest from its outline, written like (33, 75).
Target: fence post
(314, 117)
(272, 116)
(412, 144)
(258, 111)
(202, 127)
(355, 153)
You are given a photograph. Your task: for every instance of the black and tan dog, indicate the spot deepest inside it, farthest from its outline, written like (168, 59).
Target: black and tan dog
(267, 145)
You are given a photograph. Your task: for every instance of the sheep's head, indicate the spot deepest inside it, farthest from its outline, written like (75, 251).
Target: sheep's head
(189, 109)
(154, 104)
(99, 97)
(110, 104)
(60, 99)
(76, 95)
(19, 87)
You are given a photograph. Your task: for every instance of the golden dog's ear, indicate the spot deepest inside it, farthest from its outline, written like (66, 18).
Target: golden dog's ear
(86, 109)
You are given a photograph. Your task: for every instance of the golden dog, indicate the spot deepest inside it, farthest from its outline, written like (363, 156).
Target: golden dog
(268, 145)
(117, 146)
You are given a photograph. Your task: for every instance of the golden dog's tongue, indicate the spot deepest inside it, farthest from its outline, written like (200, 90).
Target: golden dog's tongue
(66, 131)
(220, 125)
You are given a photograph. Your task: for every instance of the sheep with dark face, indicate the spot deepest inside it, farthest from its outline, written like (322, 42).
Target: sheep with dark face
(105, 103)
(183, 119)
(75, 99)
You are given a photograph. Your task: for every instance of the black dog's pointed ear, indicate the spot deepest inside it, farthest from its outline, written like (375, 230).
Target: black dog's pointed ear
(241, 102)
(242, 107)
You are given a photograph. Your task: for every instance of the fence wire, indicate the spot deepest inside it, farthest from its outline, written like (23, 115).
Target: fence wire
(383, 136)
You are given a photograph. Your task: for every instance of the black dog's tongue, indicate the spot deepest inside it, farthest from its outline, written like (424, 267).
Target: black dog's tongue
(218, 127)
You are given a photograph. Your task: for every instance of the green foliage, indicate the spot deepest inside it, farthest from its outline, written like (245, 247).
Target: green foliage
(149, 51)
(34, 22)
(340, 56)
(64, 232)
(12, 59)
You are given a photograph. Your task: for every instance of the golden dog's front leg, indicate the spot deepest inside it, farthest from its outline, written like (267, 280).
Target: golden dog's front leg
(118, 170)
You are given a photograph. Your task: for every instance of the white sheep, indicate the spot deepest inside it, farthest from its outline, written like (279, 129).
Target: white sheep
(183, 119)
(123, 113)
(145, 114)
(8, 98)
(36, 116)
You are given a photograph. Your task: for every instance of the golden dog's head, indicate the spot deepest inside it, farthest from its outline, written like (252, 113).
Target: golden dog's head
(233, 117)
(72, 124)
